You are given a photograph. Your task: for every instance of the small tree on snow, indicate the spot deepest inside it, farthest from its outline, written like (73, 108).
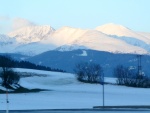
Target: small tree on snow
(89, 72)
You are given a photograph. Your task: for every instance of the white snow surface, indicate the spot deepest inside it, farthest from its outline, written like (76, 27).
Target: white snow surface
(65, 92)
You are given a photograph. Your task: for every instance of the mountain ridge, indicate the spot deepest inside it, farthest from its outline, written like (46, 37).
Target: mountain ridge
(114, 38)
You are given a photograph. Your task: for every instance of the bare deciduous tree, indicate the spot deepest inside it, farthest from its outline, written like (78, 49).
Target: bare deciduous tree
(128, 77)
(7, 74)
(89, 72)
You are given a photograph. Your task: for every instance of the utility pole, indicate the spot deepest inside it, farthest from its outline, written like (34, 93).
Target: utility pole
(103, 95)
(139, 65)
(103, 90)
(7, 101)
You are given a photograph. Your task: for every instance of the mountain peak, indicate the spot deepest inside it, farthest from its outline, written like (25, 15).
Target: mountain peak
(113, 29)
(112, 26)
(32, 33)
(30, 29)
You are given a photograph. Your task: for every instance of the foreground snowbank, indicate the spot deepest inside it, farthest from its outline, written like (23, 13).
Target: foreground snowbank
(66, 92)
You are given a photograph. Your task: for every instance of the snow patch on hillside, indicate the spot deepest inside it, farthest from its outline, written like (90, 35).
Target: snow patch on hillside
(84, 53)
(70, 47)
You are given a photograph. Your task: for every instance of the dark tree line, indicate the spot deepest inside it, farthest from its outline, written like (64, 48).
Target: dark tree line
(29, 65)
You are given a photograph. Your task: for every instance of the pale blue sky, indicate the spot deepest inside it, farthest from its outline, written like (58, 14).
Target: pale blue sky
(89, 14)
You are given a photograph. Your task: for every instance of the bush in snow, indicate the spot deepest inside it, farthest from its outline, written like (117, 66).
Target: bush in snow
(89, 72)
(128, 77)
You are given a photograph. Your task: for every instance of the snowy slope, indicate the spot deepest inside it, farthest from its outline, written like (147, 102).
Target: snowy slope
(33, 48)
(96, 40)
(134, 42)
(147, 35)
(65, 35)
(67, 93)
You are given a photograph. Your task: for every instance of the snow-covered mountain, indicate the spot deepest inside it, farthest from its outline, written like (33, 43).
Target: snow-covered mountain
(114, 38)
(96, 40)
(65, 36)
(91, 39)
(32, 33)
(30, 39)
(127, 35)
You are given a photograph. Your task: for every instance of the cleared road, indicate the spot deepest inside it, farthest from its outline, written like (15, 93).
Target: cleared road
(81, 111)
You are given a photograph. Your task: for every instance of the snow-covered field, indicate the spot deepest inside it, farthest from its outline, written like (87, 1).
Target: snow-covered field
(65, 92)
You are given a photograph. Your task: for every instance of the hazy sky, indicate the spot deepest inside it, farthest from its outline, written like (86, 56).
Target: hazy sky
(89, 14)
